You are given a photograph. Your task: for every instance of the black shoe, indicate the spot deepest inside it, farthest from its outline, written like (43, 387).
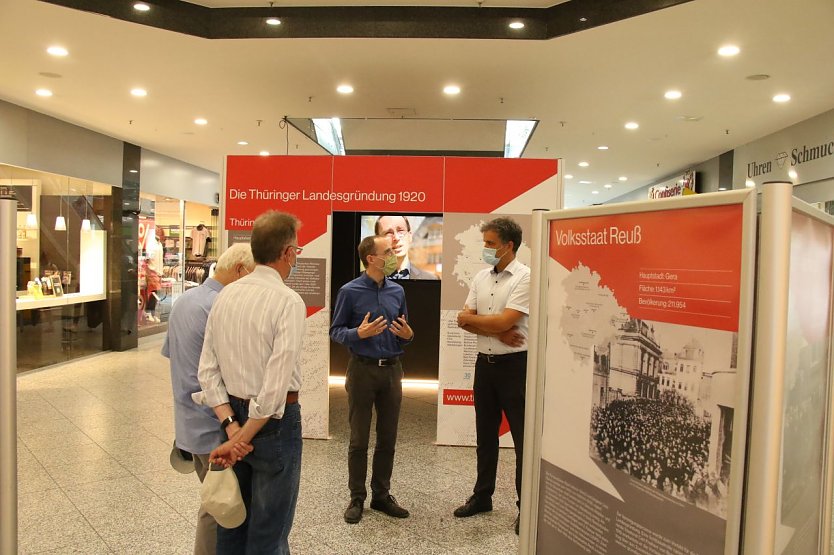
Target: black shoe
(473, 506)
(389, 506)
(353, 513)
(517, 522)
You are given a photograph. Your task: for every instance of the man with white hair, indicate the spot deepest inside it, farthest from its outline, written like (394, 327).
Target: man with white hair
(197, 429)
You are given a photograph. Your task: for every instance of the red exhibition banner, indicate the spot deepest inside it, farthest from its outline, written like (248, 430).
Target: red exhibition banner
(676, 266)
(299, 185)
(388, 184)
(482, 185)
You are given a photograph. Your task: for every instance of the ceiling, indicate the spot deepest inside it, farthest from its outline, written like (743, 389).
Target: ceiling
(582, 87)
(447, 3)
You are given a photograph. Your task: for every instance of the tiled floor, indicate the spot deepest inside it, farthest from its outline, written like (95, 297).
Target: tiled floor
(94, 477)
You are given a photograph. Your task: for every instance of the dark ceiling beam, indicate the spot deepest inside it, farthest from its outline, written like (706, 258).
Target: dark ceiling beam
(372, 21)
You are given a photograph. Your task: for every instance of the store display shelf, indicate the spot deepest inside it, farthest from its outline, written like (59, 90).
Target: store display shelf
(28, 302)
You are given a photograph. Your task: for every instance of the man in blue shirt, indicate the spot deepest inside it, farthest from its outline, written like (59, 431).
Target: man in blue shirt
(371, 320)
(197, 428)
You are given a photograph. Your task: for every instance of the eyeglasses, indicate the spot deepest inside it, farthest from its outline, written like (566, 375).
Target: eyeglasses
(298, 250)
(399, 234)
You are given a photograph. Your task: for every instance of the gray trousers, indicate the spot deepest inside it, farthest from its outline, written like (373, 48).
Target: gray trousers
(206, 541)
(369, 386)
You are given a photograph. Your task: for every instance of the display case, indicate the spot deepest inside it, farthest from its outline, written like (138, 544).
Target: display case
(61, 265)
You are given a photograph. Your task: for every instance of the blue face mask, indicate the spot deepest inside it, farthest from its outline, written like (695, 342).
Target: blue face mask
(490, 258)
(292, 269)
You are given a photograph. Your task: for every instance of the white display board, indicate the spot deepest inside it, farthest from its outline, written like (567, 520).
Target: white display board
(788, 508)
(638, 377)
(462, 248)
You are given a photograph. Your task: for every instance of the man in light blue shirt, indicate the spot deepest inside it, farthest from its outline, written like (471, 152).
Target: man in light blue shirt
(197, 428)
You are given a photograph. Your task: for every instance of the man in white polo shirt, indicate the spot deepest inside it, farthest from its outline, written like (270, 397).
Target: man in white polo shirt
(497, 309)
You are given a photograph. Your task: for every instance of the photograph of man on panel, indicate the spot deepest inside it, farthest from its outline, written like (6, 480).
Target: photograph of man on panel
(497, 310)
(250, 374)
(197, 429)
(371, 319)
(398, 229)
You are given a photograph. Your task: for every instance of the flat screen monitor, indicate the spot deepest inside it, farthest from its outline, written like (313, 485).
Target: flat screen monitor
(417, 240)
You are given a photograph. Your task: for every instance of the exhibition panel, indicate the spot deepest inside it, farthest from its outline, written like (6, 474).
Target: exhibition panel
(420, 193)
(637, 392)
(789, 492)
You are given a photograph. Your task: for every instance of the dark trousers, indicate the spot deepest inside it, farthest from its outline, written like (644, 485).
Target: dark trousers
(499, 386)
(370, 386)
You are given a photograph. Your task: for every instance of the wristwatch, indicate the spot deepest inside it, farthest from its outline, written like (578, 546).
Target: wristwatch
(226, 421)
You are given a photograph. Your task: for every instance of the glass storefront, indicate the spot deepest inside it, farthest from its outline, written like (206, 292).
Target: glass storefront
(177, 248)
(61, 265)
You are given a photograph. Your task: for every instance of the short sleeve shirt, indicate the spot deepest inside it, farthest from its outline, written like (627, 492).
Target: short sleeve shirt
(491, 292)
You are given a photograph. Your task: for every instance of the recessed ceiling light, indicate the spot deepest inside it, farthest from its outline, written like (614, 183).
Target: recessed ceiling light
(792, 174)
(623, 178)
(781, 97)
(141, 7)
(690, 119)
(607, 185)
(344, 89)
(201, 121)
(139, 92)
(585, 182)
(728, 50)
(722, 188)
(273, 21)
(583, 164)
(749, 183)
(673, 94)
(583, 19)
(602, 147)
(758, 77)
(133, 171)
(59, 51)
(43, 92)
(451, 89)
(516, 25)
(594, 192)
(242, 143)
(264, 153)
(632, 125)
(568, 176)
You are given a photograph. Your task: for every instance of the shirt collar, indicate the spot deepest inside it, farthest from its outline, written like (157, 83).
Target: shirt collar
(369, 281)
(213, 284)
(512, 267)
(267, 272)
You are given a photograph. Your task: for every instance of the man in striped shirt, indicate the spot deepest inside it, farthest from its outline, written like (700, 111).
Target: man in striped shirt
(249, 373)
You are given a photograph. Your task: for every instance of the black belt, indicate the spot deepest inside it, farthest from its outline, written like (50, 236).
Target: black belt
(292, 398)
(494, 359)
(377, 361)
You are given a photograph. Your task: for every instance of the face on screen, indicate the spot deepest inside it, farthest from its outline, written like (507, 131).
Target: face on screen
(396, 228)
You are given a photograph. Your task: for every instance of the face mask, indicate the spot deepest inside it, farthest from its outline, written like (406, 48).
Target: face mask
(490, 258)
(292, 269)
(389, 265)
